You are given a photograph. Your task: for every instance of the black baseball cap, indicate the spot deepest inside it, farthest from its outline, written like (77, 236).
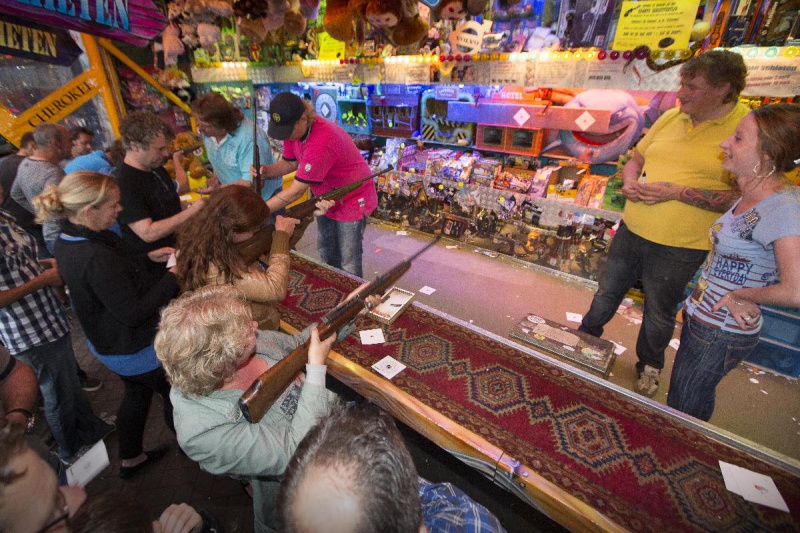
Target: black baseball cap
(284, 112)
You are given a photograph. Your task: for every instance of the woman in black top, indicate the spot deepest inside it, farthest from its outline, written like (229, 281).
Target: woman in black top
(117, 299)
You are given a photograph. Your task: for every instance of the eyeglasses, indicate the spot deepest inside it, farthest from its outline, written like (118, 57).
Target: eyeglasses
(63, 518)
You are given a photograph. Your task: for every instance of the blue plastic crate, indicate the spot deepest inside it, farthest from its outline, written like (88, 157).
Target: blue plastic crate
(779, 357)
(781, 324)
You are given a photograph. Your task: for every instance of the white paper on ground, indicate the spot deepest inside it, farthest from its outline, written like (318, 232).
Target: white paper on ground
(372, 336)
(574, 317)
(402, 232)
(675, 344)
(752, 486)
(618, 348)
(388, 367)
(427, 290)
(89, 465)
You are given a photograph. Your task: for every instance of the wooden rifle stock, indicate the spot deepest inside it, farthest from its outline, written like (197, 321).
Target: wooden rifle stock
(261, 242)
(257, 400)
(258, 182)
(188, 149)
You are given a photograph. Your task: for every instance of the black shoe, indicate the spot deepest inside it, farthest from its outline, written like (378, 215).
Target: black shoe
(153, 456)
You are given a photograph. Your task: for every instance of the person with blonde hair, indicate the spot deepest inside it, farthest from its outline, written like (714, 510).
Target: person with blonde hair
(754, 259)
(208, 254)
(116, 298)
(212, 352)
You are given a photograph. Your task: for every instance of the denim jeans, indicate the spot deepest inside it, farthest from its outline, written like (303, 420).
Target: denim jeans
(706, 354)
(665, 272)
(135, 406)
(340, 243)
(66, 407)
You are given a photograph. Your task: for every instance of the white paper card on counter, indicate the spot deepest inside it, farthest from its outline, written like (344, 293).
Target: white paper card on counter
(388, 367)
(372, 336)
(89, 465)
(574, 317)
(427, 290)
(752, 486)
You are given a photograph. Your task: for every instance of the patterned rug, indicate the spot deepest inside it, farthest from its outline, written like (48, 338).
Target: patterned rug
(641, 468)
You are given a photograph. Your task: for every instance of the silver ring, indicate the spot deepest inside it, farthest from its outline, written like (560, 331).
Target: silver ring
(747, 318)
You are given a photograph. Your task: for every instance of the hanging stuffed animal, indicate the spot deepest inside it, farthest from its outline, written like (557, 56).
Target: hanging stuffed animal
(172, 44)
(398, 20)
(338, 21)
(448, 10)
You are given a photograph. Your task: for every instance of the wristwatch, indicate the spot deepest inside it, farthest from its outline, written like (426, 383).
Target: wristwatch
(31, 418)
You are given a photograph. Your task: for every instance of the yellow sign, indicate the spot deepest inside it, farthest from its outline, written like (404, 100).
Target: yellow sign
(330, 48)
(659, 24)
(53, 108)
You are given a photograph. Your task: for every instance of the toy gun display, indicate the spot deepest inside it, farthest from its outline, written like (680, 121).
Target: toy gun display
(270, 385)
(260, 243)
(258, 181)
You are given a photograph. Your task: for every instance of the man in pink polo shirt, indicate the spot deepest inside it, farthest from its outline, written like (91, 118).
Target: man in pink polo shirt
(325, 158)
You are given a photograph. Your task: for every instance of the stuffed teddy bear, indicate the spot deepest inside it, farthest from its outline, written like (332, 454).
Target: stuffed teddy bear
(450, 10)
(338, 21)
(398, 20)
(195, 171)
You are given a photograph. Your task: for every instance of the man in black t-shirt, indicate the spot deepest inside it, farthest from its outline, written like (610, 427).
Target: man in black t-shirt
(150, 198)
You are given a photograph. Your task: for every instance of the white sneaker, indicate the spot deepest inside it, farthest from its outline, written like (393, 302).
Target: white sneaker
(647, 383)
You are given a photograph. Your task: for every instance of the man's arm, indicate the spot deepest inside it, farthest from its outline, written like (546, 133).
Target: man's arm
(49, 278)
(150, 231)
(180, 173)
(296, 190)
(18, 390)
(630, 176)
(274, 170)
(710, 200)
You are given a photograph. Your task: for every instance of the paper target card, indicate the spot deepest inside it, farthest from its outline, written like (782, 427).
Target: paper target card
(388, 367)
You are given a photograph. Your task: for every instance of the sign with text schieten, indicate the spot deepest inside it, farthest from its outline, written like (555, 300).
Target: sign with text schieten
(33, 41)
(132, 21)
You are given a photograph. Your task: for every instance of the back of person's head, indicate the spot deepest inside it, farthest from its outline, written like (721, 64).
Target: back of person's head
(116, 152)
(718, 67)
(351, 472)
(208, 239)
(27, 142)
(112, 512)
(778, 133)
(213, 108)
(76, 191)
(202, 338)
(142, 128)
(46, 133)
(77, 131)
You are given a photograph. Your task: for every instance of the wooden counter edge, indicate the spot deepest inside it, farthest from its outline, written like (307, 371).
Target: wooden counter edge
(493, 462)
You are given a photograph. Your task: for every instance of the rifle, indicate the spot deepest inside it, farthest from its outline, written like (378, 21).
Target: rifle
(261, 241)
(258, 181)
(268, 386)
(188, 149)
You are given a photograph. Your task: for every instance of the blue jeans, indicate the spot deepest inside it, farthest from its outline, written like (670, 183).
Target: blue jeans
(340, 243)
(706, 354)
(66, 407)
(665, 271)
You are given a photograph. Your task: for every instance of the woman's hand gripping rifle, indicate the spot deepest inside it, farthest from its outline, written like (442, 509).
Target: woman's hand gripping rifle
(260, 243)
(265, 390)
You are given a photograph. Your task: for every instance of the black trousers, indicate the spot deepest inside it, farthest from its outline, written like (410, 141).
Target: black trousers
(135, 406)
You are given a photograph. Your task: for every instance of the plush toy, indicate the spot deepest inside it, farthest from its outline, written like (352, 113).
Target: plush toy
(252, 28)
(398, 20)
(450, 10)
(172, 44)
(338, 21)
(208, 35)
(196, 172)
(293, 20)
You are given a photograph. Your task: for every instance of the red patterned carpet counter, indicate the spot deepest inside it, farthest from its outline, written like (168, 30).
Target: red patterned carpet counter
(585, 453)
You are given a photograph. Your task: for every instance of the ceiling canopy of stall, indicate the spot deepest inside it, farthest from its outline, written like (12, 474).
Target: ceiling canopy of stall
(135, 22)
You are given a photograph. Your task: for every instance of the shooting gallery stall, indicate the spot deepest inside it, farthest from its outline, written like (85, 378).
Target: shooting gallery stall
(56, 65)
